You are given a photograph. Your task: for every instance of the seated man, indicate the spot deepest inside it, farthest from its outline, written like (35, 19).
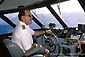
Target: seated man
(22, 34)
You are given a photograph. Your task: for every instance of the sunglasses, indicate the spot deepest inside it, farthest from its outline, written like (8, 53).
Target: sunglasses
(29, 15)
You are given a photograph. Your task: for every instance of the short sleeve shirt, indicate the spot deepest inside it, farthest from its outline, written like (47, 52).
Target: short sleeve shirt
(22, 36)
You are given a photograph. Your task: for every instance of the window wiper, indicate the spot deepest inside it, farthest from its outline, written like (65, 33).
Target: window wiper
(35, 14)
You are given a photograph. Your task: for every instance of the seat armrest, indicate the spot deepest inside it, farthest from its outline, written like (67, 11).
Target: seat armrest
(34, 50)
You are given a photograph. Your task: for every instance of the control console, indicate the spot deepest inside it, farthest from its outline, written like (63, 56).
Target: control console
(70, 47)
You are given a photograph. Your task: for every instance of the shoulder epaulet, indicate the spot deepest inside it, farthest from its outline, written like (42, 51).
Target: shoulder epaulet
(23, 26)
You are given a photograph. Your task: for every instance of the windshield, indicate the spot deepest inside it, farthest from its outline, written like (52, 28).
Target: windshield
(5, 27)
(45, 17)
(71, 12)
(14, 18)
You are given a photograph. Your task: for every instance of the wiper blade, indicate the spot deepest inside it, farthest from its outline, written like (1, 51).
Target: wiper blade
(35, 14)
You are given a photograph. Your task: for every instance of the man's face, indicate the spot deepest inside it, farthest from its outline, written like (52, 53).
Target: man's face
(27, 19)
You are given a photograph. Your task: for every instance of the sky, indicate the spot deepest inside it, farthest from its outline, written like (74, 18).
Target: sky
(71, 6)
(71, 13)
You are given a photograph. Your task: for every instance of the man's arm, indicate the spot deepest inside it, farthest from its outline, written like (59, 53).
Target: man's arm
(37, 33)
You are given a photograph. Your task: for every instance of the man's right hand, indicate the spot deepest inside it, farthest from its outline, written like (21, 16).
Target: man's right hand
(34, 45)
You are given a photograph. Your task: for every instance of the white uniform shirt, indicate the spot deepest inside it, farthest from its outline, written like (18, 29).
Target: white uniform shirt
(23, 36)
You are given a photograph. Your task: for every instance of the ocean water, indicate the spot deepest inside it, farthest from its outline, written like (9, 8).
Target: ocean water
(6, 29)
(9, 29)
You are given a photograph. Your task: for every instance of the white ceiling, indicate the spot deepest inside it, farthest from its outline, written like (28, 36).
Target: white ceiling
(10, 4)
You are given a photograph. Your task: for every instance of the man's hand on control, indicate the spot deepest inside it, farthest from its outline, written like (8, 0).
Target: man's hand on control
(49, 31)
